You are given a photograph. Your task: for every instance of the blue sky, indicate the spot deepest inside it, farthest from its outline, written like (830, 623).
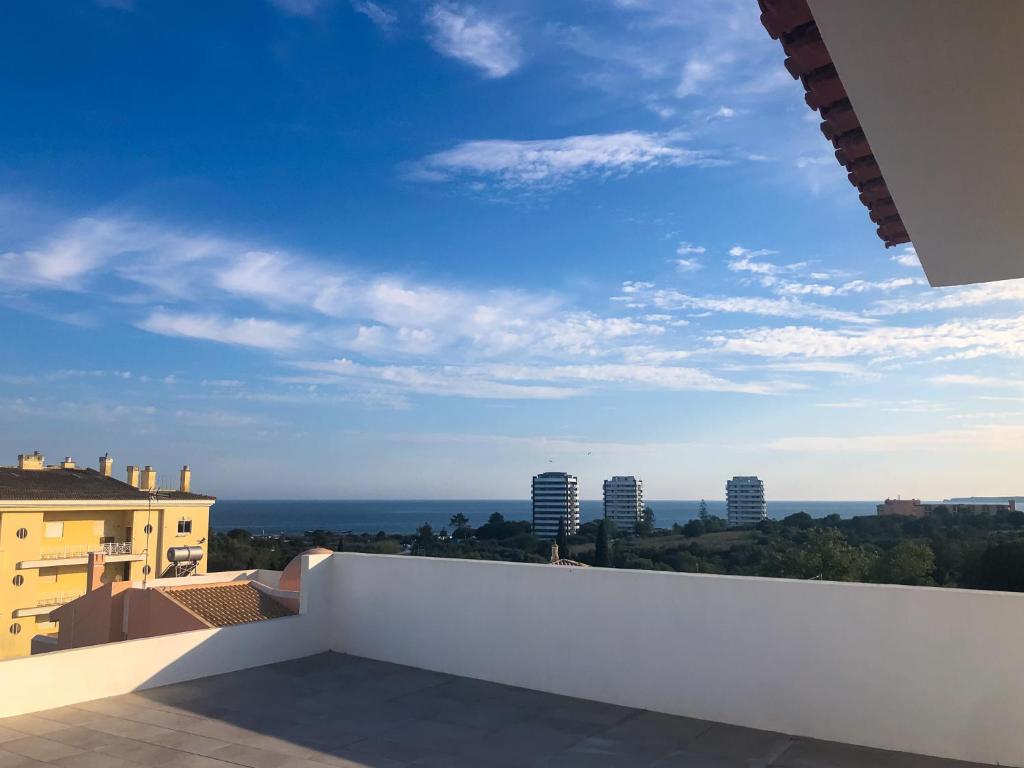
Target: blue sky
(333, 248)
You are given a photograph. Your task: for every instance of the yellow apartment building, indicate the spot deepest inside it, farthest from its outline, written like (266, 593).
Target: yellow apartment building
(53, 516)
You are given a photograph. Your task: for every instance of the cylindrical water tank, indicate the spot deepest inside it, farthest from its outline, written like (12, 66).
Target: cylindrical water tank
(185, 554)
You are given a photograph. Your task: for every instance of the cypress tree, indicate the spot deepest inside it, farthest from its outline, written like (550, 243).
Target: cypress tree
(602, 547)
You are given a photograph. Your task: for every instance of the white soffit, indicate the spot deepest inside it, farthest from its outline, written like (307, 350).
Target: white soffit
(937, 87)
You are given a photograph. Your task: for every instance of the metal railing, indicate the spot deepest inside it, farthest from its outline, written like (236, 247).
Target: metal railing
(58, 598)
(110, 548)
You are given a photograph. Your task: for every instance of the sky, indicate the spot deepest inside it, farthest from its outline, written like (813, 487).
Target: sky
(426, 249)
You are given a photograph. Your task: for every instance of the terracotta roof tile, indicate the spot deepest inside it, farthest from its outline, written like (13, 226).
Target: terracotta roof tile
(82, 484)
(223, 605)
(792, 23)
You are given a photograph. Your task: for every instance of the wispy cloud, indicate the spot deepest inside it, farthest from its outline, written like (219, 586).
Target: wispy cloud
(378, 14)
(247, 332)
(907, 257)
(956, 339)
(684, 248)
(461, 32)
(988, 438)
(549, 162)
(298, 7)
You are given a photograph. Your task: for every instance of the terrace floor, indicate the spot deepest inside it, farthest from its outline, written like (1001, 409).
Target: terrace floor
(341, 710)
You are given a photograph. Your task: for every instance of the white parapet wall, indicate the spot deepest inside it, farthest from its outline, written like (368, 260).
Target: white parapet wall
(60, 678)
(932, 671)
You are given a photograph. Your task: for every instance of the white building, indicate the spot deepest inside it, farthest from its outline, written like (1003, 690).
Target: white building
(624, 502)
(555, 498)
(745, 501)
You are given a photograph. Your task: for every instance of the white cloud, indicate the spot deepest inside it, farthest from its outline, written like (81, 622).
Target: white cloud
(687, 265)
(670, 299)
(988, 438)
(723, 112)
(907, 257)
(298, 7)
(461, 32)
(509, 381)
(956, 339)
(684, 248)
(548, 162)
(378, 14)
(954, 298)
(696, 72)
(791, 288)
(248, 332)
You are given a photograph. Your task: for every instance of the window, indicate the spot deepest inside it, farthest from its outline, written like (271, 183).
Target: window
(22, 533)
(148, 529)
(15, 629)
(53, 530)
(146, 569)
(184, 526)
(18, 580)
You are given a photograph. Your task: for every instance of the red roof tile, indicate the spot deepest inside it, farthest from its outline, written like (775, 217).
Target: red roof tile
(807, 59)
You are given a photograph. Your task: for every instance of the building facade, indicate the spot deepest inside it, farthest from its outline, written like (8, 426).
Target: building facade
(744, 496)
(906, 507)
(555, 498)
(53, 516)
(624, 502)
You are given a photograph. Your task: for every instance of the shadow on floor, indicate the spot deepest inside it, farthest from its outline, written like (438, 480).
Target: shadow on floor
(333, 709)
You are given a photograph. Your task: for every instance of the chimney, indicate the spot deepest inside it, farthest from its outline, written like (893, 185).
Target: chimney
(133, 476)
(148, 482)
(97, 561)
(106, 465)
(68, 463)
(32, 460)
(186, 479)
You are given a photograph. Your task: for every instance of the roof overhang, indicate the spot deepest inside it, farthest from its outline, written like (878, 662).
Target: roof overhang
(935, 85)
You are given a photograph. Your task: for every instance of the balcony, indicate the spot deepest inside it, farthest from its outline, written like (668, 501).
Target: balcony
(46, 604)
(115, 552)
(396, 661)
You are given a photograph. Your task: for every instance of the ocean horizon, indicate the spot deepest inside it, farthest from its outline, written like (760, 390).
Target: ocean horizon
(403, 516)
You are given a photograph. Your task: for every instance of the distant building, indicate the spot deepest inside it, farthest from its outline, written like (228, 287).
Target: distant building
(52, 517)
(555, 498)
(745, 502)
(914, 507)
(905, 507)
(624, 502)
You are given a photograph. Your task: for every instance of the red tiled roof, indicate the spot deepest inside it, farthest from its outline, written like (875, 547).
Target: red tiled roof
(222, 605)
(792, 23)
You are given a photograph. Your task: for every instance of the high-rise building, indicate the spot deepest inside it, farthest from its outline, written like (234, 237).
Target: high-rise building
(555, 498)
(745, 501)
(53, 517)
(624, 502)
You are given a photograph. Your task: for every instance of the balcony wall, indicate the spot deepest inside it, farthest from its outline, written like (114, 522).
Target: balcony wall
(931, 671)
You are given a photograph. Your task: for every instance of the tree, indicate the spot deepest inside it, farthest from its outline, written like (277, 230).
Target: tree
(562, 539)
(602, 547)
(694, 528)
(998, 567)
(424, 537)
(460, 526)
(906, 563)
(702, 510)
(820, 554)
(798, 520)
(646, 525)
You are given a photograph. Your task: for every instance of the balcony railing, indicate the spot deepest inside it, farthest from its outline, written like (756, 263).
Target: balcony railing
(109, 548)
(58, 598)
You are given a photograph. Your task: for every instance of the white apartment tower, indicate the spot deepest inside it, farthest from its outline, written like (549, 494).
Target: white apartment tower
(555, 498)
(745, 501)
(624, 502)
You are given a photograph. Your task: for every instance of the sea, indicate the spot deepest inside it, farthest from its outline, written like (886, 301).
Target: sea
(268, 517)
